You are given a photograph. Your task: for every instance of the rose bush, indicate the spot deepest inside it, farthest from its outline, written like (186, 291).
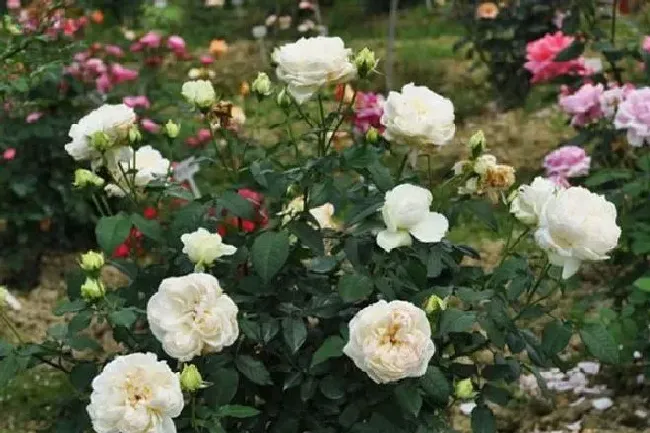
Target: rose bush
(341, 307)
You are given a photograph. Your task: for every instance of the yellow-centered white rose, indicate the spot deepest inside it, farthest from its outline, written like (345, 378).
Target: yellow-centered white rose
(576, 225)
(406, 213)
(390, 341)
(203, 247)
(135, 393)
(529, 200)
(191, 315)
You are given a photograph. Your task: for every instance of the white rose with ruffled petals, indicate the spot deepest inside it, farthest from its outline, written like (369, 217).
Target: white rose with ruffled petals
(191, 315)
(311, 63)
(390, 341)
(199, 93)
(530, 199)
(576, 225)
(149, 166)
(135, 393)
(203, 247)
(406, 213)
(417, 116)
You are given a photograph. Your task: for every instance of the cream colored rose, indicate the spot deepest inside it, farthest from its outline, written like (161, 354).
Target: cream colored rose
(191, 315)
(417, 116)
(141, 167)
(406, 213)
(390, 341)
(576, 225)
(324, 216)
(135, 393)
(199, 93)
(529, 200)
(203, 247)
(311, 63)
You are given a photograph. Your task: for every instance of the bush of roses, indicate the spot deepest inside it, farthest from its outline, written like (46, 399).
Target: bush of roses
(342, 305)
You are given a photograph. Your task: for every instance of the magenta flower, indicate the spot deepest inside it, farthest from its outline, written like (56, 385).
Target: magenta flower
(9, 154)
(136, 101)
(95, 66)
(368, 109)
(121, 74)
(151, 40)
(114, 50)
(583, 105)
(540, 55)
(33, 117)
(203, 135)
(634, 115)
(206, 59)
(566, 162)
(176, 44)
(150, 126)
(103, 83)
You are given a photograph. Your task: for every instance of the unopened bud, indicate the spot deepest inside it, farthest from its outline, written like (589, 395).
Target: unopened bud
(477, 143)
(172, 129)
(372, 135)
(435, 304)
(92, 289)
(365, 61)
(283, 99)
(262, 85)
(100, 141)
(464, 389)
(134, 134)
(92, 262)
(191, 379)
(84, 178)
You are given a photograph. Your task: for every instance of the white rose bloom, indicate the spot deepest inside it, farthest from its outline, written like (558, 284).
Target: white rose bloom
(9, 300)
(417, 116)
(311, 63)
(390, 341)
(577, 225)
(406, 212)
(483, 163)
(149, 166)
(200, 93)
(114, 120)
(203, 247)
(135, 393)
(530, 199)
(191, 315)
(324, 215)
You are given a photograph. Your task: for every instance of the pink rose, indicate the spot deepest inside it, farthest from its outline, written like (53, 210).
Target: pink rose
(559, 180)
(103, 83)
(583, 105)
(9, 154)
(13, 4)
(176, 44)
(541, 58)
(203, 135)
(567, 162)
(151, 40)
(206, 59)
(646, 44)
(95, 65)
(368, 109)
(33, 117)
(81, 56)
(121, 74)
(634, 115)
(150, 126)
(114, 50)
(136, 101)
(136, 47)
(612, 98)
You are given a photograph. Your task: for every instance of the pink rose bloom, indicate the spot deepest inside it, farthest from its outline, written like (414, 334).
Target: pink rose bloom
(114, 50)
(646, 44)
(634, 115)
(150, 126)
(136, 101)
(33, 117)
(567, 162)
(612, 98)
(541, 58)
(95, 65)
(583, 105)
(151, 40)
(121, 74)
(368, 109)
(13, 4)
(560, 181)
(136, 47)
(176, 43)
(103, 83)
(9, 154)
(206, 59)
(203, 135)
(81, 56)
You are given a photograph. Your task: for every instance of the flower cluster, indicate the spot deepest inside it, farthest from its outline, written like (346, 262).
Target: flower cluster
(484, 176)
(97, 65)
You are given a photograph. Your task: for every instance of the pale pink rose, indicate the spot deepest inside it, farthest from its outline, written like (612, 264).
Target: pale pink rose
(634, 115)
(203, 135)
(368, 109)
(13, 4)
(121, 74)
(176, 44)
(540, 55)
(9, 154)
(206, 59)
(33, 117)
(114, 50)
(612, 98)
(151, 40)
(95, 66)
(150, 126)
(560, 180)
(583, 105)
(646, 44)
(567, 162)
(81, 56)
(103, 83)
(136, 101)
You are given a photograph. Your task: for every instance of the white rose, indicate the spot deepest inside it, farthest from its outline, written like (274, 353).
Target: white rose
(135, 393)
(483, 163)
(113, 120)
(203, 247)
(149, 166)
(530, 199)
(406, 212)
(324, 216)
(191, 315)
(417, 116)
(7, 299)
(577, 225)
(200, 93)
(390, 341)
(311, 63)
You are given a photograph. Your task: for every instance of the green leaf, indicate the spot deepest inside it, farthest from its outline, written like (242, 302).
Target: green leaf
(496, 394)
(294, 332)
(227, 382)
(643, 283)
(124, 317)
(435, 384)
(112, 231)
(308, 236)
(332, 387)
(70, 307)
(603, 176)
(270, 252)
(149, 228)
(83, 342)
(484, 211)
(253, 369)
(380, 174)
(332, 347)
(555, 337)
(483, 420)
(237, 204)
(453, 320)
(408, 398)
(10, 367)
(571, 52)
(237, 411)
(82, 375)
(600, 342)
(354, 287)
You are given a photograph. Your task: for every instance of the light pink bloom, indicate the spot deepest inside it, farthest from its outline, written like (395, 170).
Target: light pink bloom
(567, 162)
(540, 55)
(33, 117)
(203, 135)
(136, 101)
(114, 50)
(81, 56)
(612, 98)
(368, 109)
(95, 65)
(583, 105)
(103, 83)
(560, 180)
(206, 59)
(176, 43)
(634, 115)
(9, 154)
(305, 5)
(136, 47)
(121, 74)
(151, 40)
(646, 44)
(13, 4)
(150, 125)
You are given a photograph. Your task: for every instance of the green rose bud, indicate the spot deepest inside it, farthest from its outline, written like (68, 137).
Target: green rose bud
(464, 389)
(477, 143)
(262, 85)
(92, 262)
(372, 135)
(283, 99)
(435, 304)
(84, 178)
(199, 93)
(365, 61)
(134, 134)
(172, 129)
(191, 379)
(100, 141)
(92, 289)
